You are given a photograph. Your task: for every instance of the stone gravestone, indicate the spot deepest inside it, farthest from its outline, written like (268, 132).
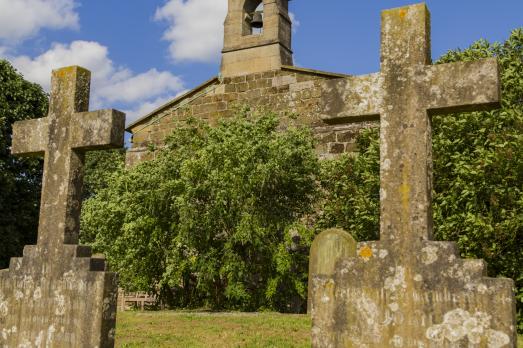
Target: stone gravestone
(406, 290)
(57, 295)
(326, 249)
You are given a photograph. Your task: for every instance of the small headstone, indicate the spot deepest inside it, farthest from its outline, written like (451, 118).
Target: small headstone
(327, 248)
(406, 290)
(57, 294)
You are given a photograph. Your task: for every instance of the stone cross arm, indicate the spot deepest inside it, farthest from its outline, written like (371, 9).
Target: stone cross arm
(453, 87)
(463, 86)
(351, 99)
(30, 136)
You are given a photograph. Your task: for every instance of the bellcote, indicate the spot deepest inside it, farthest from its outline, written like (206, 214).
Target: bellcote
(257, 37)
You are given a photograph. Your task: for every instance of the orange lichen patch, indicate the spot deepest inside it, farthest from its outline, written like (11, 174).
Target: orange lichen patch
(70, 70)
(329, 285)
(63, 72)
(403, 13)
(365, 252)
(404, 191)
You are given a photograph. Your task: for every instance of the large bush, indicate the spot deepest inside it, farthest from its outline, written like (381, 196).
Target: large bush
(478, 173)
(213, 219)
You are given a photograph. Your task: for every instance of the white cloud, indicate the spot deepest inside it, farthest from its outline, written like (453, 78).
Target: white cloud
(142, 86)
(110, 84)
(20, 19)
(88, 54)
(195, 28)
(295, 22)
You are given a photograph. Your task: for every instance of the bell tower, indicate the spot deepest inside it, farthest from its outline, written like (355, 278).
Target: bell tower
(257, 37)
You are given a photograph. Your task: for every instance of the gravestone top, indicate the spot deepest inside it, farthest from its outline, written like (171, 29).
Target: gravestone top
(406, 290)
(57, 294)
(327, 247)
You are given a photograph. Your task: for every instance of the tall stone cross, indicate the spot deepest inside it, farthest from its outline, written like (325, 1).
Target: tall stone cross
(57, 295)
(406, 290)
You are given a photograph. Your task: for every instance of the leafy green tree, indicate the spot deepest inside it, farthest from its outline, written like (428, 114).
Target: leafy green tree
(99, 167)
(213, 220)
(478, 173)
(20, 179)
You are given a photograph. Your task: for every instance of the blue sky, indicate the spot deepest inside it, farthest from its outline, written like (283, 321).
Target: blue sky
(145, 52)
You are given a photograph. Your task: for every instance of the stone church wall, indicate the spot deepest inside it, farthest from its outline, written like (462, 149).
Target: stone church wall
(286, 91)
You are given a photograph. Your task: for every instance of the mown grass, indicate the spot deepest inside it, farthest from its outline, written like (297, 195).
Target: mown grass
(215, 330)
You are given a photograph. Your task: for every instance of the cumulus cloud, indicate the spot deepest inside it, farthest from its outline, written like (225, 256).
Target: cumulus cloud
(20, 19)
(143, 86)
(195, 28)
(88, 54)
(110, 84)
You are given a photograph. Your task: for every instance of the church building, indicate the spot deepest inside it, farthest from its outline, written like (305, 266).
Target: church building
(256, 71)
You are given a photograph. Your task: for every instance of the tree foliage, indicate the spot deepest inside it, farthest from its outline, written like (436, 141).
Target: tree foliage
(99, 167)
(20, 179)
(213, 219)
(478, 173)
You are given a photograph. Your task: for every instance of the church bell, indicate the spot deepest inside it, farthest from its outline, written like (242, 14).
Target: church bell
(257, 20)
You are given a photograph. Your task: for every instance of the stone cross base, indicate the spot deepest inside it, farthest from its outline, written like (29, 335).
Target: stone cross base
(393, 296)
(67, 303)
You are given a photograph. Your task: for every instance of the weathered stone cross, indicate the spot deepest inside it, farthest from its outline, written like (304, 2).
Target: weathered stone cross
(64, 136)
(406, 92)
(406, 290)
(57, 293)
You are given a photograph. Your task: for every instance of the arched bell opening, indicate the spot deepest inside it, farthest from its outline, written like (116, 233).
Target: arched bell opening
(253, 17)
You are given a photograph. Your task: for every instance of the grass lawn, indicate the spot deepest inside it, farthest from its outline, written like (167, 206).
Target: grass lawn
(214, 330)
(217, 330)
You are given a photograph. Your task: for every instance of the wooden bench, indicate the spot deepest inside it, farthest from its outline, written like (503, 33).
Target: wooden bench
(129, 300)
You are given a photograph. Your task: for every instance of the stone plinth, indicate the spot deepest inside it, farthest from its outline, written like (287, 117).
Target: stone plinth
(420, 296)
(68, 300)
